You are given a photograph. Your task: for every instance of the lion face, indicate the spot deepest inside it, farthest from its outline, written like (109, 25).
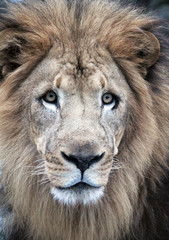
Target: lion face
(76, 119)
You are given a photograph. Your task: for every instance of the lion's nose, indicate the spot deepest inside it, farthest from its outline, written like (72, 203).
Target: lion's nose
(81, 162)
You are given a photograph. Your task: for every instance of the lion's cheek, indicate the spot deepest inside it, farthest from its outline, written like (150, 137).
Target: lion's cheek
(97, 177)
(62, 177)
(40, 142)
(117, 139)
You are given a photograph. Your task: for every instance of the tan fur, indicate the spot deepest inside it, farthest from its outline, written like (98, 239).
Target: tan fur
(104, 36)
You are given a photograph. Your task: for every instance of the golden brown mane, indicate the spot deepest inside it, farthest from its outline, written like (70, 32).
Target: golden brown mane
(132, 198)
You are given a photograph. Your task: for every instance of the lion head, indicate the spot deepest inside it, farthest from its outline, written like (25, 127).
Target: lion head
(78, 115)
(76, 118)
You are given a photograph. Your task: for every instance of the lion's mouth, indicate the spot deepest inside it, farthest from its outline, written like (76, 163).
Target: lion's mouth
(78, 193)
(78, 187)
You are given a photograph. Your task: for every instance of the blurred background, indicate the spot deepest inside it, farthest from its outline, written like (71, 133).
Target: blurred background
(161, 7)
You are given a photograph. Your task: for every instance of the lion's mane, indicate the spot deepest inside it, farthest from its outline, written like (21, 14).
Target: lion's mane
(135, 205)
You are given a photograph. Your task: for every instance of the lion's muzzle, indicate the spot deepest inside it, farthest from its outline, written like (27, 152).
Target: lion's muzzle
(82, 179)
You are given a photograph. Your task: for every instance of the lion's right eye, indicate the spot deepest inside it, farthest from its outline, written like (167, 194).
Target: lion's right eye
(109, 98)
(50, 97)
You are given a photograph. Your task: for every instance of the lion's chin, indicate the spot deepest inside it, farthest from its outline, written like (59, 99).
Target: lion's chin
(80, 193)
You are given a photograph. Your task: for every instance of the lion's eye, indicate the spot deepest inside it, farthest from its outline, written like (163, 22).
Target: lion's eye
(109, 98)
(50, 97)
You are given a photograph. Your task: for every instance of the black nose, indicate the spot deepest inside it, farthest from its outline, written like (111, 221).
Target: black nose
(81, 162)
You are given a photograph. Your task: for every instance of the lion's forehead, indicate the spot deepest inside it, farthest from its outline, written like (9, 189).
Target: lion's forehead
(71, 73)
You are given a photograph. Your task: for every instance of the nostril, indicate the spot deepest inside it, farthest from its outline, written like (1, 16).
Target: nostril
(82, 162)
(97, 158)
(69, 158)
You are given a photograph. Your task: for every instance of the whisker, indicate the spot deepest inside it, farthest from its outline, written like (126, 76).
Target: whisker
(116, 164)
(43, 181)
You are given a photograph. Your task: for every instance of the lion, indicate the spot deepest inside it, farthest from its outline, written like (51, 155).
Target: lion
(84, 122)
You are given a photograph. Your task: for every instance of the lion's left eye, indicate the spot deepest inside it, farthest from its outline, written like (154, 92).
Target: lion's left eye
(50, 97)
(110, 98)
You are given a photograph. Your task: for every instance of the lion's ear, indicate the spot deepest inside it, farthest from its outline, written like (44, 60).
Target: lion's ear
(154, 50)
(10, 50)
(147, 51)
(138, 46)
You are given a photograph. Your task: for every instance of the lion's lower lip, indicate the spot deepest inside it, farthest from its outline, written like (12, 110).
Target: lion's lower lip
(78, 187)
